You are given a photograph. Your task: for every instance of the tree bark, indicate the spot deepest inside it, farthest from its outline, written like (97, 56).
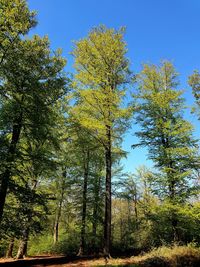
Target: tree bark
(95, 207)
(84, 207)
(59, 208)
(135, 207)
(55, 231)
(172, 190)
(95, 211)
(9, 253)
(5, 177)
(107, 223)
(22, 250)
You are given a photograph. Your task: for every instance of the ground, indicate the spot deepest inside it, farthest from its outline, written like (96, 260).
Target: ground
(57, 262)
(177, 256)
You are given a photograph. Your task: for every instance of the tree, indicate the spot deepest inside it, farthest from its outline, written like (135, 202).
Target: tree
(101, 71)
(87, 154)
(159, 111)
(194, 82)
(33, 80)
(15, 20)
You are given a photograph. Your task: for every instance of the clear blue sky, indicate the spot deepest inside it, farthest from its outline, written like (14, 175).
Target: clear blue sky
(156, 29)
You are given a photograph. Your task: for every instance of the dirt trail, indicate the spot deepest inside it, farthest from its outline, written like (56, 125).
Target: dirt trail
(38, 261)
(61, 261)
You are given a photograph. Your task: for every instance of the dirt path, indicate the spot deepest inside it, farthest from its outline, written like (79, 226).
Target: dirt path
(57, 261)
(38, 261)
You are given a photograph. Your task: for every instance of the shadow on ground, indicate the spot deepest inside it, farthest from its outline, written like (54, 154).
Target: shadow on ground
(46, 261)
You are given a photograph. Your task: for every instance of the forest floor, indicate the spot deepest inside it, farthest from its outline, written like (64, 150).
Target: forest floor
(161, 257)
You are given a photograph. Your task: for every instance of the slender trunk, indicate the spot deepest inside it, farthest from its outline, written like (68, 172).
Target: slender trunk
(94, 222)
(107, 223)
(129, 221)
(55, 231)
(9, 253)
(95, 213)
(172, 192)
(59, 208)
(95, 208)
(174, 220)
(56, 223)
(135, 208)
(84, 207)
(22, 250)
(5, 177)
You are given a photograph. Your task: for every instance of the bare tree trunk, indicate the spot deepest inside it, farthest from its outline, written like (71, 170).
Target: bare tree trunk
(84, 207)
(94, 223)
(59, 208)
(129, 221)
(22, 250)
(95, 207)
(135, 207)
(5, 177)
(95, 210)
(174, 220)
(9, 253)
(107, 223)
(55, 231)
(172, 192)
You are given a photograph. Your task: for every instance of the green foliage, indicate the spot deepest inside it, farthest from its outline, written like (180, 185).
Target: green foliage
(102, 71)
(42, 245)
(168, 136)
(15, 20)
(194, 82)
(57, 150)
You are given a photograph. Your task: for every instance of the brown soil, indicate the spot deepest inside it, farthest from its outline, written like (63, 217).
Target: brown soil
(61, 261)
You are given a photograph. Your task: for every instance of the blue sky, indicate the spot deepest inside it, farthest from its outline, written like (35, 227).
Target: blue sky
(156, 29)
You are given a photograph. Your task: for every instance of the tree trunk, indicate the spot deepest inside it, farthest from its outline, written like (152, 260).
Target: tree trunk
(95, 211)
(84, 207)
(56, 223)
(94, 222)
(107, 223)
(10, 248)
(172, 192)
(174, 220)
(135, 208)
(5, 177)
(22, 250)
(55, 231)
(59, 208)
(95, 207)
(129, 221)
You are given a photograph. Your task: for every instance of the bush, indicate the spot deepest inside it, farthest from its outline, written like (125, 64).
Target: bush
(67, 245)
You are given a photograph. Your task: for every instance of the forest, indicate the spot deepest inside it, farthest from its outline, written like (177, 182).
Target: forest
(63, 187)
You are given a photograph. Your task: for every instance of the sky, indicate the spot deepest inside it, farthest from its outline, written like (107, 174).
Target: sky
(155, 30)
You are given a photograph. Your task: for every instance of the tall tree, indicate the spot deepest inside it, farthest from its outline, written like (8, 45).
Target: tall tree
(33, 81)
(101, 71)
(15, 20)
(168, 136)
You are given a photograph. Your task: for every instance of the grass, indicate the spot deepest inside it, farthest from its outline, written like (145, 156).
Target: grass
(171, 256)
(176, 256)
